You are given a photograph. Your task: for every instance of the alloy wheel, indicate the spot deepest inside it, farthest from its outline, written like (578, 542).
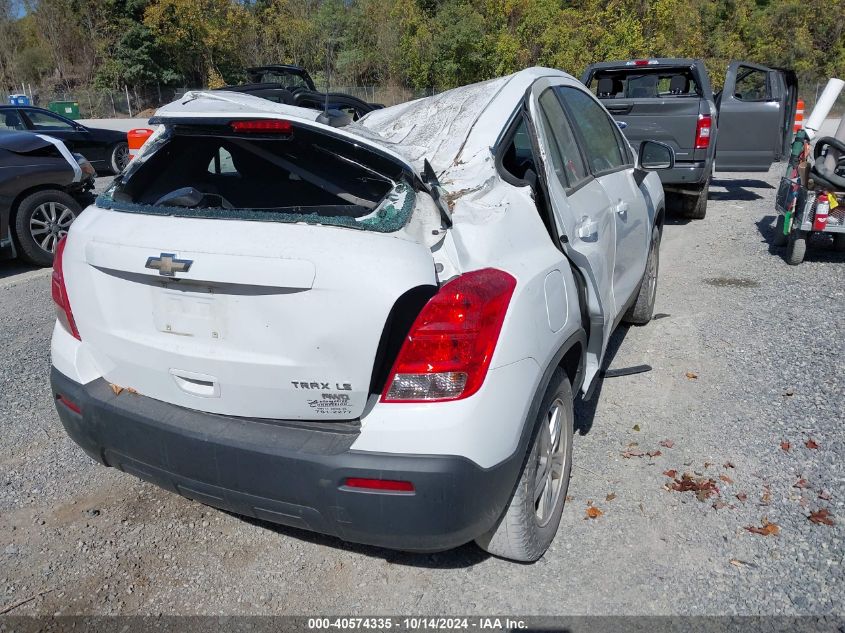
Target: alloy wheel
(551, 455)
(49, 223)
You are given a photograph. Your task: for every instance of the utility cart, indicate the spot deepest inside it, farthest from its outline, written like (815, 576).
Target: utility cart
(802, 212)
(811, 195)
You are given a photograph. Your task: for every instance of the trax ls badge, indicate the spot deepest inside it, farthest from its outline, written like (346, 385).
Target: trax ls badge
(166, 264)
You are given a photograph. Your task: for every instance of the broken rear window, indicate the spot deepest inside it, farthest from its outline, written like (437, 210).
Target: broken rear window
(302, 175)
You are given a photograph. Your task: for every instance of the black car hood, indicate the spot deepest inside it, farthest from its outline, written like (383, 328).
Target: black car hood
(22, 142)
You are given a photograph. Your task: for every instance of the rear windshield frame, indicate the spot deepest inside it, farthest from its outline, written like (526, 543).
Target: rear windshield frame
(387, 212)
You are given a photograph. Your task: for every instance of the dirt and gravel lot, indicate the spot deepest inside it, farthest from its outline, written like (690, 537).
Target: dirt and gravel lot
(746, 397)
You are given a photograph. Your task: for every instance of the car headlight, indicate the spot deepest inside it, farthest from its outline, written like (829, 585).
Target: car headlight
(84, 165)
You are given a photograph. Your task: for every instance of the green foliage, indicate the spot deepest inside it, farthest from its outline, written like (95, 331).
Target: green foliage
(421, 45)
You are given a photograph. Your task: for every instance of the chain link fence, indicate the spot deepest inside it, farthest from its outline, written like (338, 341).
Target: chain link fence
(142, 102)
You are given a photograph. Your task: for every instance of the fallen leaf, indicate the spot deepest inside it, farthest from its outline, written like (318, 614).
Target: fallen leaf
(636, 427)
(667, 443)
(629, 454)
(785, 446)
(801, 483)
(811, 444)
(691, 375)
(593, 512)
(821, 516)
(701, 486)
(726, 479)
(741, 563)
(742, 496)
(654, 453)
(708, 464)
(729, 465)
(824, 494)
(766, 529)
(789, 392)
(670, 473)
(630, 444)
(131, 390)
(116, 388)
(610, 496)
(719, 504)
(767, 496)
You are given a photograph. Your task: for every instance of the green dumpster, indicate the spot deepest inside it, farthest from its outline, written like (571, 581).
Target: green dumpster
(68, 109)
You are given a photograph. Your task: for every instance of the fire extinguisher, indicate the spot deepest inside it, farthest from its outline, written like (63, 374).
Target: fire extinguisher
(822, 211)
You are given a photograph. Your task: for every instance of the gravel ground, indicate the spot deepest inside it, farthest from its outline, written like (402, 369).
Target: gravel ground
(746, 354)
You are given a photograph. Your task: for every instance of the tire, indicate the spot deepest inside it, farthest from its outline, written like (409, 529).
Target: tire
(779, 238)
(42, 219)
(695, 207)
(796, 247)
(642, 309)
(531, 520)
(839, 242)
(119, 157)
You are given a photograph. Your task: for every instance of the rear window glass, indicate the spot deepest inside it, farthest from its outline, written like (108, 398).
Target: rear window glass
(305, 177)
(638, 83)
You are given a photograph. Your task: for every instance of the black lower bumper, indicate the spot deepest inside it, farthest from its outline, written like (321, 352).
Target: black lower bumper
(285, 473)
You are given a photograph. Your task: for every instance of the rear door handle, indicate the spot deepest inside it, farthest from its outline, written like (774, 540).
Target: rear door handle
(622, 208)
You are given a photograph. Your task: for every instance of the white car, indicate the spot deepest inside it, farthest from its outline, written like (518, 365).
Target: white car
(373, 331)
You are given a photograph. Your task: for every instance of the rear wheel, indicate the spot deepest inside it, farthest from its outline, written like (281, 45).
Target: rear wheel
(779, 238)
(43, 218)
(532, 518)
(695, 207)
(796, 247)
(642, 309)
(119, 157)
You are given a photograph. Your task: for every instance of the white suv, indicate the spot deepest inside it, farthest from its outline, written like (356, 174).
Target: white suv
(374, 330)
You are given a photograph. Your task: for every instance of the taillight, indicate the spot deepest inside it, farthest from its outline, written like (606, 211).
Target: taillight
(70, 404)
(448, 350)
(386, 485)
(702, 131)
(63, 311)
(263, 126)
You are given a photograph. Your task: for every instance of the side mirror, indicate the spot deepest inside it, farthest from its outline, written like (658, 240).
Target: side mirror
(654, 155)
(530, 177)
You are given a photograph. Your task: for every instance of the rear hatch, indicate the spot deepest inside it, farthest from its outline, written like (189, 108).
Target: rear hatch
(653, 101)
(250, 271)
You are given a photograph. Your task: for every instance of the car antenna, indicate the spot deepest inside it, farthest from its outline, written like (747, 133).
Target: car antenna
(328, 76)
(325, 118)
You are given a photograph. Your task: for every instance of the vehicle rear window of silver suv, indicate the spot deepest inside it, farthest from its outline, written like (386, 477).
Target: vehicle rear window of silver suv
(304, 176)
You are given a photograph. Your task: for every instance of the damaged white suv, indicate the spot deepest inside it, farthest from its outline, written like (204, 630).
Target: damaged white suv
(373, 331)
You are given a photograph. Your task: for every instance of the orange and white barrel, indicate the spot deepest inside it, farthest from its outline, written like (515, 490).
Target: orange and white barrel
(136, 138)
(799, 116)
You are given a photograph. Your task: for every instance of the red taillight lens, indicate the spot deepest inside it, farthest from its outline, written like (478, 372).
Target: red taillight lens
(702, 131)
(389, 485)
(448, 350)
(263, 126)
(70, 404)
(63, 311)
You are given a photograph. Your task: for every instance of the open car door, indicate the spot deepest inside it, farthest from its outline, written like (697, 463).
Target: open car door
(756, 110)
(581, 209)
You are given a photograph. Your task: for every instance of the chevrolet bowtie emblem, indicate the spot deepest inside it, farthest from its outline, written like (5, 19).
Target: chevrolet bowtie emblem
(166, 264)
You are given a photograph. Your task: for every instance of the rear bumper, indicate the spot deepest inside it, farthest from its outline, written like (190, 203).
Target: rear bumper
(684, 175)
(287, 474)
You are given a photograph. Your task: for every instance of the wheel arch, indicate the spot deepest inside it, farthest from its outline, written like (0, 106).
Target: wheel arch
(660, 218)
